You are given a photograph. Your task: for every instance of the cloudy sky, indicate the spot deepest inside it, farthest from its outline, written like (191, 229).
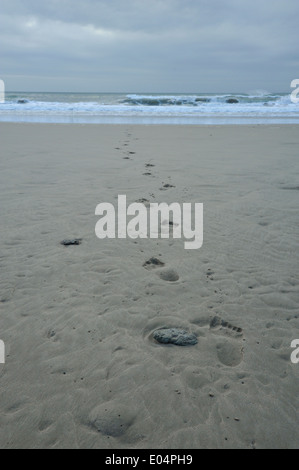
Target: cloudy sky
(149, 45)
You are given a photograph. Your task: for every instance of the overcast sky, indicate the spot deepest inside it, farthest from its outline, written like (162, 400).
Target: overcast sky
(149, 45)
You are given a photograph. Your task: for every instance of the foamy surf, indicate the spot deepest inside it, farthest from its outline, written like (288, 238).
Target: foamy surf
(255, 107)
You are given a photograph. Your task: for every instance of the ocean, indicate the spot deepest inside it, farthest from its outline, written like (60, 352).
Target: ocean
(131, 108)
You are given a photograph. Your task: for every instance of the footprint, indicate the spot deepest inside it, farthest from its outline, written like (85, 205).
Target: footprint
(229, 353)
(44, 425)
(111, 419)
(167, 186)
(210, 273)
(149, 165)
(153, 263)
(263, 224)
(169, 275)
(144, 201)
(51, 334)
(219, 326)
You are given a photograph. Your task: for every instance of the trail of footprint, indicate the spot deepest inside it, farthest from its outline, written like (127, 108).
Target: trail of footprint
(148, 166)
(126, 143)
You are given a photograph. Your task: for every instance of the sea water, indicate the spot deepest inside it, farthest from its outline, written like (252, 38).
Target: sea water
(196, 108)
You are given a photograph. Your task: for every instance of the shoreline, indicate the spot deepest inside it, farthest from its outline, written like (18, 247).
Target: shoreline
(153, 125)
(152, 120)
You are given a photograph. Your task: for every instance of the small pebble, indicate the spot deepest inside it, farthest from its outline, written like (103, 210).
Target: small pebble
(74, 241)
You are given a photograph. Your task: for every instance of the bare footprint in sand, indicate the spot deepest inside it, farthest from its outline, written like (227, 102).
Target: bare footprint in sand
(222, 327)
(111, 419)
(167, 186)
(169, 275)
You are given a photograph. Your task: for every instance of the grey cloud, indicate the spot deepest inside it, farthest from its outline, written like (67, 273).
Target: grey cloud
(139, 45)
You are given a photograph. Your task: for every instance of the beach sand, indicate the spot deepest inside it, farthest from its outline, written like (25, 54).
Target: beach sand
(82, 368)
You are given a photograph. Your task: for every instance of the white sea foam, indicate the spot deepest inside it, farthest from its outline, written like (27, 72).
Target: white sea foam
(196, 108)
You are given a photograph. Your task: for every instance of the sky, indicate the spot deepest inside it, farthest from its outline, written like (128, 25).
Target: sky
(190, 46)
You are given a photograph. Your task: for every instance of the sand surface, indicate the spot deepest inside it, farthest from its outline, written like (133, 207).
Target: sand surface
(82, 369)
